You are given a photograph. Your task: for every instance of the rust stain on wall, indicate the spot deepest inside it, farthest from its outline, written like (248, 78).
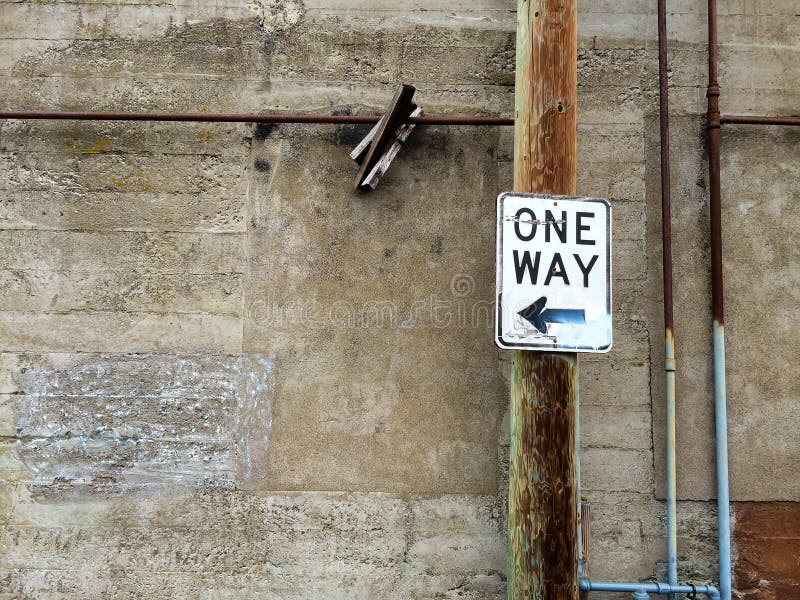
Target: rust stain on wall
(767, 537)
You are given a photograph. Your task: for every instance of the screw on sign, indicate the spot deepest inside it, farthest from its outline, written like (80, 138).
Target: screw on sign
(553, 273)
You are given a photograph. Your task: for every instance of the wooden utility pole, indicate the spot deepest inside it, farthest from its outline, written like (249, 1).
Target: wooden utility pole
(543, 483)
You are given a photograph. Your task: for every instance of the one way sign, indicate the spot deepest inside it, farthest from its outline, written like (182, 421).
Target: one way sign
(553, 273)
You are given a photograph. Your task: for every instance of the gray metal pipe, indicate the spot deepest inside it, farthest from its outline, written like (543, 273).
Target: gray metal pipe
(666, 271)
(648, 588)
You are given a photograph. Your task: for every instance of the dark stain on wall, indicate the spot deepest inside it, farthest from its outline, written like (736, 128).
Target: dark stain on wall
(437, 246)
(262, 131)
(350, 135)
(261, 165)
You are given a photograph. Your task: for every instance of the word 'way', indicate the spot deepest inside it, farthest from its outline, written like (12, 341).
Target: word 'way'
(555, 231)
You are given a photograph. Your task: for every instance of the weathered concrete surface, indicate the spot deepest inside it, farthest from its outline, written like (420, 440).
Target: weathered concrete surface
(377, 313)
(224, 374)
(761, 293)
(224, 544)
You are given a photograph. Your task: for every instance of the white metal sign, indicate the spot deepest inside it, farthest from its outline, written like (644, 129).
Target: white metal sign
(553, 273)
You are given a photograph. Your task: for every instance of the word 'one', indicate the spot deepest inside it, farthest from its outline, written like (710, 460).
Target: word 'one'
(526, 226)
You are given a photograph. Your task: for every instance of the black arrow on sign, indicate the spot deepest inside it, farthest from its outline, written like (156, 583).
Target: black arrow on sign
(539, 317)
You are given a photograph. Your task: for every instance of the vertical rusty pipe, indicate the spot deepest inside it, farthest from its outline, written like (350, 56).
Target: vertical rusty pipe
(720, 393)
(669, 339)
(713, 124)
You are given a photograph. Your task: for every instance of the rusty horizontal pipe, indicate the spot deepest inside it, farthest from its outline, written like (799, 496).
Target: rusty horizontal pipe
(245, 118)
(756, 120)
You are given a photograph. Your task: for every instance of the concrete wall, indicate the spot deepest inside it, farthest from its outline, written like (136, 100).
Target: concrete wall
(224, 374)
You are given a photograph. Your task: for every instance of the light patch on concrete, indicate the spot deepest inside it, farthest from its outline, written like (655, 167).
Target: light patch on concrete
(254, 415)
(133, 419)
(277, 15)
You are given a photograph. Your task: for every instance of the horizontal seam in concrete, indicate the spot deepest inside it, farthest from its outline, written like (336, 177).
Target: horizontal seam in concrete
(34, 227)
(171, 353)
(164, 313)
(153, 154)
(96, 232)
(638, 492)
(188, 397)
(306, 83)
(97, 436)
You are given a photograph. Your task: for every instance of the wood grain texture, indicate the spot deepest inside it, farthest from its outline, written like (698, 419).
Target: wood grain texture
(543, 506)
(545, 97)
(399, 109)
(543, 483)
